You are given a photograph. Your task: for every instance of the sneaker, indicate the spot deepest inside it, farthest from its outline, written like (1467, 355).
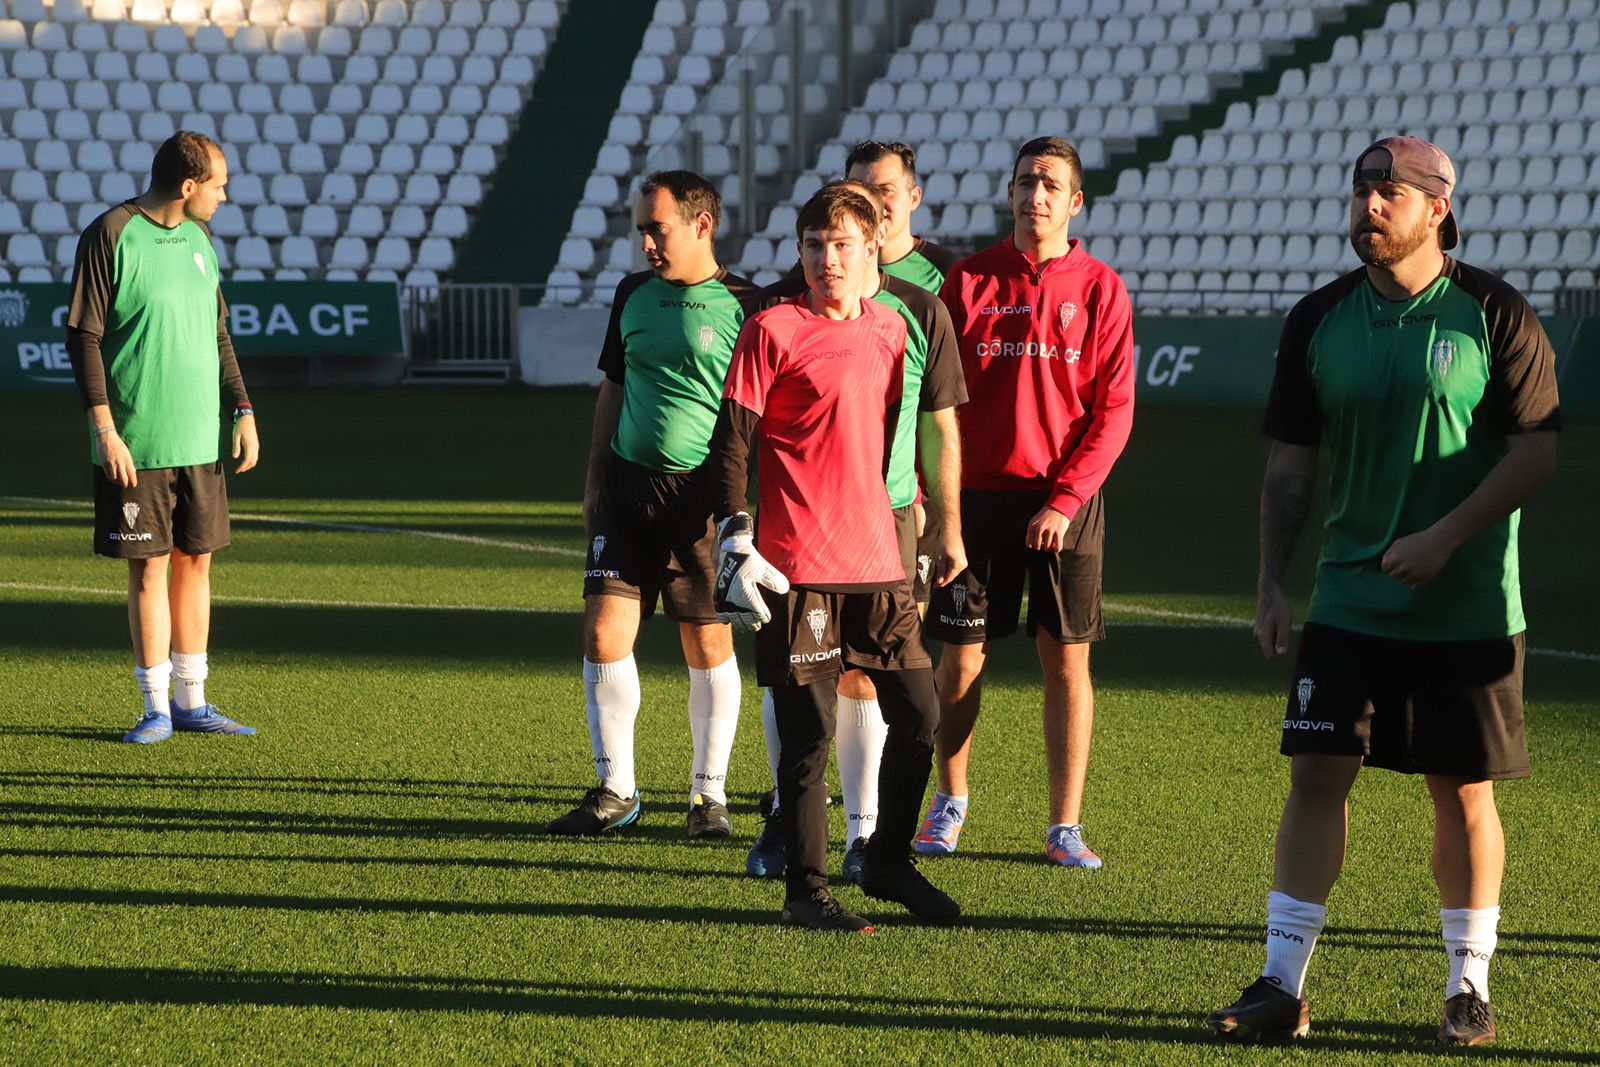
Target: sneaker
(901, 883)
(208, 720)
(1263, 1012)
(151, 727)
(940, 829)
(1064, 845)
(1468, 1019)
(769, 855)
(820, 911)
(600, 810)
(708, 818)
(850, 870)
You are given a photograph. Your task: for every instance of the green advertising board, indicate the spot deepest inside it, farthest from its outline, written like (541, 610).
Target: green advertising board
(265, 319)
(1212, 361)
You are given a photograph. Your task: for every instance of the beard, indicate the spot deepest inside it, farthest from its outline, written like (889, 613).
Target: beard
(1387, 247)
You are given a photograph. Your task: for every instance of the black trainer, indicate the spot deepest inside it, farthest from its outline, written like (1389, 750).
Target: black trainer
(819, 911)
(600, 810)
(900, 881)
(708, 818)
(854, 857)
(769, 803)
(1263, 1012)
(1468, 1019)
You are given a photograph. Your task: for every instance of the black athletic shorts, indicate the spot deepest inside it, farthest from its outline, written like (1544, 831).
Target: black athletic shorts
(1421, 707)
(985, 600)
(654, 538)
(171, 507)
(815, 636)
(905, 533)
(927, 545)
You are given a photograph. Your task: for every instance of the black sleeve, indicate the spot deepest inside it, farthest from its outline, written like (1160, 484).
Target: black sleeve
(92, 270)
(941, 257)
(1294, 415)
(943, 383)
(742, 289)
(613, 355)
(232, 379)
(785, 288)
(1522, 362)
(731, 440)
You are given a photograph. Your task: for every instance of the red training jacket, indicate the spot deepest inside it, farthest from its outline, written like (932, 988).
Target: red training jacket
(1048, 358)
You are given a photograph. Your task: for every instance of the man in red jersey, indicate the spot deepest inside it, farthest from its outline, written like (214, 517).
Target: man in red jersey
(816, 382)
(1046, 334)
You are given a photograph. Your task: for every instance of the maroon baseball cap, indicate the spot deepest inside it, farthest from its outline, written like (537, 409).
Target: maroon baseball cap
(1417, 163)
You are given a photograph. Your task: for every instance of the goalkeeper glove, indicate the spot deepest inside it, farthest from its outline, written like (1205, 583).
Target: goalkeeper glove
(741, 572)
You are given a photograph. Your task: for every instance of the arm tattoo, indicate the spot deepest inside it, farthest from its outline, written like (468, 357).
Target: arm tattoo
(1285, 502)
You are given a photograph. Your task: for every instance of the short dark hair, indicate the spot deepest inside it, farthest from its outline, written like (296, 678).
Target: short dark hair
(869, 152)
(695, 195)
(831, 205)
(1059, 147)
(874, 197)
(184, 156)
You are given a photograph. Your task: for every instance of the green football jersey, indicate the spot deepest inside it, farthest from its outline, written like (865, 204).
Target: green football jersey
(1415, 400)
(932, 377)
(924, 266)
(152, 297)
(668, 346)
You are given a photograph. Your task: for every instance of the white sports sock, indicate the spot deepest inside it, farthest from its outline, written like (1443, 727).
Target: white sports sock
(1292, 929)
(942, 800)
(189, 680)
(612, 690)
(1469, 937)
(153, 682)
(769, 730)
(859, 737)
(713, 717)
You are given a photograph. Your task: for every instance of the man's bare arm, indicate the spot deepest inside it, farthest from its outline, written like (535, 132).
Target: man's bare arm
(1285, 502)
(607, 414)
(939, 437)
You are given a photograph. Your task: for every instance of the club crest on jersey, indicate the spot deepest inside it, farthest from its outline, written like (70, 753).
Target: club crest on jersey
(130, 514)
(958, 593)
(708, 335)
(597, 546)
(1442, 354)
(1302, 691)
(13, 308)
(1065, 313)
(924, 565)
(200, 263)
(817, 619)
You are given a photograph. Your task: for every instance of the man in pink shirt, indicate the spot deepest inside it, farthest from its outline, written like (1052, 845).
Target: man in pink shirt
(1046, 337)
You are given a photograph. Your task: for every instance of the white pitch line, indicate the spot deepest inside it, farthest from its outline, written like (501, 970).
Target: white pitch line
(353, 527)
(1176, 618)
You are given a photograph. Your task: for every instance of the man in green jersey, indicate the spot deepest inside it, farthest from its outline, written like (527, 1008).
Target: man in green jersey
(925, 428)
(148, 338)
(1432, 386)
(648, 502)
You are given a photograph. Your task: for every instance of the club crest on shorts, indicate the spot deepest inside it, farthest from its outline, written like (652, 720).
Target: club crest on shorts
(130, 514)
(958, 593)
(597, 546)
(817, 619)
(924, 565)
(1302, 691)
(13, 308)
(708, 335)
(1065, 313)
(1441, 355)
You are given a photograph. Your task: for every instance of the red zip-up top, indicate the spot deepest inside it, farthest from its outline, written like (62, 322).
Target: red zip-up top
(1048, 358)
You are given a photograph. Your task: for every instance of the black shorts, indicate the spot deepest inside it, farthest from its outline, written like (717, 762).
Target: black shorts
(815, 636)
(905, 534)
(927, 545)
(985, 600)
(1420, 707)
(171, 507)
(654, 538)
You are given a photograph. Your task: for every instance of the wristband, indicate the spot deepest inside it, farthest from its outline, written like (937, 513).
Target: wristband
(241, 411)
(103, 430)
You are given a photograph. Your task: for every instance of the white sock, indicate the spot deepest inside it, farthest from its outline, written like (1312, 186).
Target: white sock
(153, 682)
(769, 730)
(713, 716)
(859, 738)
(612, 690)
(1469, 937)
(189, 680)
(943, 800)
(1292, 929)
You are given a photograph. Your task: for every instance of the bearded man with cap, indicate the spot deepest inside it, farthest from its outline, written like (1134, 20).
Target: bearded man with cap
(1432, 387)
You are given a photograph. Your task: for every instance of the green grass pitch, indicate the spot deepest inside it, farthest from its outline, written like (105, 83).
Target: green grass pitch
(366, 880)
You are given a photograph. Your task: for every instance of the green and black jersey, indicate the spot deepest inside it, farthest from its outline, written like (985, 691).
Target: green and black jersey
(148, 336)
(1415, 400)
(932, 367)
(925, 266)
(668, 346)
